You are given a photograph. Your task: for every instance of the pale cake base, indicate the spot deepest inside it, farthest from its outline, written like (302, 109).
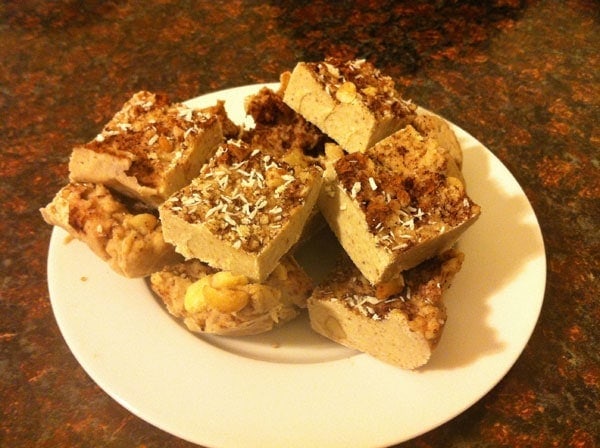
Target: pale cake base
(150, 148)
(195, 240)
(390, 340)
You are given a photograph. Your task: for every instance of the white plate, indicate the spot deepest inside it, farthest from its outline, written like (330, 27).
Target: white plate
(291, 387)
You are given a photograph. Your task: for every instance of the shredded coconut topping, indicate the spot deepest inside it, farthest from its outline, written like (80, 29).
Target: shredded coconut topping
(247, 201)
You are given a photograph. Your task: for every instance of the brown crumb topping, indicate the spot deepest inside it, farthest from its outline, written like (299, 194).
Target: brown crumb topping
(347, 80)
(153, 133)
(279, 128)
(402, 187)
(243, 195)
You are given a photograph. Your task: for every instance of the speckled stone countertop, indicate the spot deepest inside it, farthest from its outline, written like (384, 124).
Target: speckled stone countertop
(521, 76)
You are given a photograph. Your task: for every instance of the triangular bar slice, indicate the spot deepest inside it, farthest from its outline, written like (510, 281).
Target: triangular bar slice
(399, 322)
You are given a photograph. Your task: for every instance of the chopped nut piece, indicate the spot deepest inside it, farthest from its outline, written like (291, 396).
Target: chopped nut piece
(194, 299)
(225, 279)
(225, 300)
(346, 92)
(392, 287)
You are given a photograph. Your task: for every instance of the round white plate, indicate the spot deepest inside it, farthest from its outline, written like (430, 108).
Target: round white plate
(292, 387)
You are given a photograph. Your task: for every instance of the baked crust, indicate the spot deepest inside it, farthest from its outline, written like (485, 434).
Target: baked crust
(350, 101)
(268, 305)
(149, 149)
(243, 212)
(395, 205)
(126, 234)
(400, 322)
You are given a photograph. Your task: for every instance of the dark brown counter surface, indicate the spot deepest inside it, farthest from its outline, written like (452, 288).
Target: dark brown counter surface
(523, 77)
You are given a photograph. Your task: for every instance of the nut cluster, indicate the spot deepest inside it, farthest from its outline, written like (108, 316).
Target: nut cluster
(94, 205)
(221, 291)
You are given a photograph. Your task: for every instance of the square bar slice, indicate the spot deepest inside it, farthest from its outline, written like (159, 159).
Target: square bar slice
(243, 212)
(395, 205)
(124, 233)
(149, 149)
(350, 101)
(400, 322)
